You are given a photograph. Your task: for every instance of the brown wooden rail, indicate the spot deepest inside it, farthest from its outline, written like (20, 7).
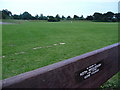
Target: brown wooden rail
(89, 70)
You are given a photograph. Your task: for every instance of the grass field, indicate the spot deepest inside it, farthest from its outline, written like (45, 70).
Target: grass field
(28, 45)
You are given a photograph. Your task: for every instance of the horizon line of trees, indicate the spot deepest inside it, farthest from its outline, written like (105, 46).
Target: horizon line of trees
(106, 17)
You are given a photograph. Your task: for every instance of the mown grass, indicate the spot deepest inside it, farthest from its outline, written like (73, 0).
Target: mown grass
(114, 82)
(79, 38)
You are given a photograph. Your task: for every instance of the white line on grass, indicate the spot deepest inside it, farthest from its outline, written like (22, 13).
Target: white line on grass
(48, 46)
(2, 56)
(37, 48)
(20, 53)
(62, 43)
(55, 44)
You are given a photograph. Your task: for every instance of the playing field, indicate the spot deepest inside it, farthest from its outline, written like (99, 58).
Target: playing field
(28, 45)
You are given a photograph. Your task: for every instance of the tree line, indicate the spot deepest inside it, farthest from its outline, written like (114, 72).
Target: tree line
(106, 17)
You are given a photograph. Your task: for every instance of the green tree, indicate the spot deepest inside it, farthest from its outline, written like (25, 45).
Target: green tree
(16, 16)
(69, 18)
(6, 14)
(117, 16)
(26, 16)
(89, 18)
(36, 17)
(63, 18)
(75, 17)
(0, 14)
(52, 19)
(97, 16)
(57, 17)
(41, 17)
(45, 18)
(82, 18)
(109, 16)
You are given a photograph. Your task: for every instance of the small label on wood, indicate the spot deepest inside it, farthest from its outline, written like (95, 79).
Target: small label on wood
(88, 71)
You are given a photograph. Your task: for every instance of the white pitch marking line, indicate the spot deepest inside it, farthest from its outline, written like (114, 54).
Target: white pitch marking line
(19, 53)
(37, 48)
(22, 52)
(62, 43)
(2, 56)
(55, 44)
(48, 46)
(34, 48)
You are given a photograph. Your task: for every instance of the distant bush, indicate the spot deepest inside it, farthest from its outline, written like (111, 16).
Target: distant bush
(53, 19)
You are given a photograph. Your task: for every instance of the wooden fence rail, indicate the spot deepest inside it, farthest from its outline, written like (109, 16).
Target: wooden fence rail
(89, 70)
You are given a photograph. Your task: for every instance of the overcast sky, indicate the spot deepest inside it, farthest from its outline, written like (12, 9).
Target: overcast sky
(61, 7)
